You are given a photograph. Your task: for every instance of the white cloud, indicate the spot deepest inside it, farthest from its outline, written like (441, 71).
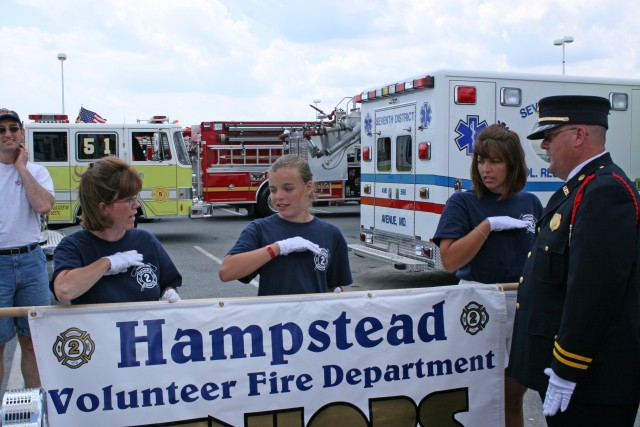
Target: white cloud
(198, 60)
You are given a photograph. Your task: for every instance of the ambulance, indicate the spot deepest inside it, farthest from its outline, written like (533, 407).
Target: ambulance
(417, 138)
(154, 147)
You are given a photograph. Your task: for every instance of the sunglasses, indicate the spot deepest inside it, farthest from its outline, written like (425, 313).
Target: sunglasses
(12, 129)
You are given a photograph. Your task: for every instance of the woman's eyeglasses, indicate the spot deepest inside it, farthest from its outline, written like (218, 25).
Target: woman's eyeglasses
(130, 201)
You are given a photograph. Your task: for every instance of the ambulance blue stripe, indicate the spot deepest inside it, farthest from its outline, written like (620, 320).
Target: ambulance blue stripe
(443, 181)
(446, 181)
(542, 186)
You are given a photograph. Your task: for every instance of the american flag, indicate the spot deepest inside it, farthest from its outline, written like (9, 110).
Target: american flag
(87, 116)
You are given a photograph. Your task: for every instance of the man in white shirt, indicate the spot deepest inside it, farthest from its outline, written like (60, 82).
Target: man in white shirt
(26, 192)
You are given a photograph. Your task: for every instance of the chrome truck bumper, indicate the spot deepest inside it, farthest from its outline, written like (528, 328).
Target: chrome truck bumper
(400, 262)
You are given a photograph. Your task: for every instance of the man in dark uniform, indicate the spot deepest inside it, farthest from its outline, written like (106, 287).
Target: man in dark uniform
(576, 337)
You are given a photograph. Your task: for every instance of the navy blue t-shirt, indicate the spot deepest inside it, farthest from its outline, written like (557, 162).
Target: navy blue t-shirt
(298, 272)
(502, 257)
(146, 283)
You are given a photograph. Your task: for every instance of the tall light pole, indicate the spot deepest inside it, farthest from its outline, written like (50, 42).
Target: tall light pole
(561, 42)
(62, 57)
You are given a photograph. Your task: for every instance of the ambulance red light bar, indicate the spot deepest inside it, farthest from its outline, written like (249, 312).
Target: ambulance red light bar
(49, 118)
(424, 82)
(357, 98)
(421, 83)
(465, 95)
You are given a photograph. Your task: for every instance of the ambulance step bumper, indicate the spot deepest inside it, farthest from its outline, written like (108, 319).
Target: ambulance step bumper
(398, 261)
(53, 238)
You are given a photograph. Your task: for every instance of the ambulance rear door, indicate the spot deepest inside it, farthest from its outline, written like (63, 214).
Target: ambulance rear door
(394, 174)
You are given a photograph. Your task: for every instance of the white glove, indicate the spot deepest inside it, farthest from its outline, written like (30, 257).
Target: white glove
(558, 394)
(499, 223)
(297, 244)
(170, 295)
(121, 261)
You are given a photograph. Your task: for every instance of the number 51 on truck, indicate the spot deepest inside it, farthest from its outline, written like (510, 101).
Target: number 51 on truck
(154, 147)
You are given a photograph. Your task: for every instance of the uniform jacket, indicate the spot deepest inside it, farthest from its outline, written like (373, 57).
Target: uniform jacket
(579, 296)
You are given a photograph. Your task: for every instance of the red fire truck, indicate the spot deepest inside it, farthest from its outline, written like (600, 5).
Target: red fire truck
(233, 159)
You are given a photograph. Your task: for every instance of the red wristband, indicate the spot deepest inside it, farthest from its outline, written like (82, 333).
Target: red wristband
(271, 252)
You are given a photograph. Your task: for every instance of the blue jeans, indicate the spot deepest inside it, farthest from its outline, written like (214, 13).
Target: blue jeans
(24, 282)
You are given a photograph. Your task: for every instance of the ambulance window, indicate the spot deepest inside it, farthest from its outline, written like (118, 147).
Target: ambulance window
(403, 153)
(181, 150)
(384, 154)
(93, 146)
(50, 147)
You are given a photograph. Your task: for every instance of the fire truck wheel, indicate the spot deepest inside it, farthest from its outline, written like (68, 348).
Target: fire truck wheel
(264, 206)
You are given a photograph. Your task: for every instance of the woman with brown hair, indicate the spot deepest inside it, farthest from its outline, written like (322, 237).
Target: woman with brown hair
(484, 234)
(110, 260)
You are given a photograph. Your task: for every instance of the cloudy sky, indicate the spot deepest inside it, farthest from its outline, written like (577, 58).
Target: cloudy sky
(199, 60)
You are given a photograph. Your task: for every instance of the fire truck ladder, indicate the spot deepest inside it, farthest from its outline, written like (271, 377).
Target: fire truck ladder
(238, 155)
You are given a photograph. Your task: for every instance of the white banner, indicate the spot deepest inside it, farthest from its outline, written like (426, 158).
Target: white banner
(433, 356)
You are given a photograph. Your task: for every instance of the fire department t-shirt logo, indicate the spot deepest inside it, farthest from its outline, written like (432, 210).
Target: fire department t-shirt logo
(321, 260)
(146, 276)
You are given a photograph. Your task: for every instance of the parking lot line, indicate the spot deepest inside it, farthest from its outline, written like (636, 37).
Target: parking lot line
(216, 259)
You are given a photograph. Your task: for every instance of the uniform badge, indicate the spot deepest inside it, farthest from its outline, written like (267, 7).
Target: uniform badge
(555, 221)
(565, 190)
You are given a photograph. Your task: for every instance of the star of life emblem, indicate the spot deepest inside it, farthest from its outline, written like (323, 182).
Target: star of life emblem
(425, 115)
(368, 123)
(468, 133)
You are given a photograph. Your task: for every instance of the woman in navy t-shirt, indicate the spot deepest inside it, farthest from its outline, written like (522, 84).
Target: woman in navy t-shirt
(109, 261)
(484, 234)
(293, 251)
